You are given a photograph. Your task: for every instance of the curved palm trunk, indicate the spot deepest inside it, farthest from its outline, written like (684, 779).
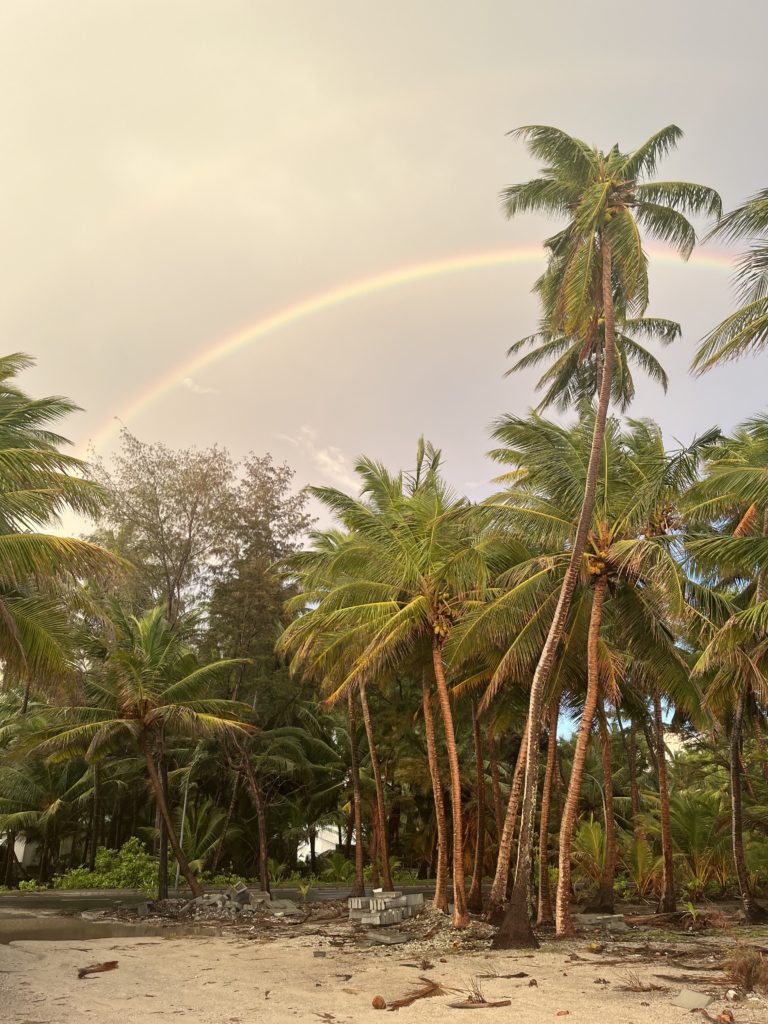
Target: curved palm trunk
(495, 910)
(604, 903)
(545, 913)
(381, 809)
(157, 788)
(475, 898)
(668, 901)
(441, 879)
(460, 912)
(753, 912)
(563, 920)
(357, 803)
(516, 931)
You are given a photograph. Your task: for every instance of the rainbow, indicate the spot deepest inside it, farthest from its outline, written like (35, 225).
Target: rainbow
(347, 292)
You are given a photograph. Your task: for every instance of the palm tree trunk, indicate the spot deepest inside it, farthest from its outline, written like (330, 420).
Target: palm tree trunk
(381, 808)
(157, 788)
(668, 901)
(227, 822)
(498, 812)
(604, 904)
(753, 912)
(373, 849)
(441, 878)
(498, 895)
(545, 913)
(257, 798)
(563, 920)
(634, 789)
(357, 803)
(460, 912)
(475, 898)
(95, 816)
(516, 931)
(162, 865)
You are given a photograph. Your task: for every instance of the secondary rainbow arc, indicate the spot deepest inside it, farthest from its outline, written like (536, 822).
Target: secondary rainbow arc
(348, 291)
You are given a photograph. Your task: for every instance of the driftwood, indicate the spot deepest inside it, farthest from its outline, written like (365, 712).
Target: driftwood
(108, 965)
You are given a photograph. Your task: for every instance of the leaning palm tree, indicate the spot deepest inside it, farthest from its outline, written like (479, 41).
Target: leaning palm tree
(630, 581)
(145, 686)
(746, 330)
(597, 273)
(419, 558)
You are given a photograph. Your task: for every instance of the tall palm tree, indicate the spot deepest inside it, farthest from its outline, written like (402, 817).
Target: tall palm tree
(597, 268)
(746, 330)
(146, 686)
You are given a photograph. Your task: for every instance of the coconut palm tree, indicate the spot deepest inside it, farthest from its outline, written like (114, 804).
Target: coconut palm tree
(746, 330)
(597, 271)
(733, 498)
(630, 561)
(145, 686)
(419, 558)
(574, 373)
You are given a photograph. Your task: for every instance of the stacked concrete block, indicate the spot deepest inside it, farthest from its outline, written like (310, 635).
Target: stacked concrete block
(385, 908)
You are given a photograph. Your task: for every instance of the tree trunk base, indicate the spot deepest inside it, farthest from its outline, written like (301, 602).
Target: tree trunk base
(602, 905)
(754, 913)
(516, 935)
(494, 913)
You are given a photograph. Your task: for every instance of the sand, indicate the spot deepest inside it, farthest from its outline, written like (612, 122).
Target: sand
(239, 980)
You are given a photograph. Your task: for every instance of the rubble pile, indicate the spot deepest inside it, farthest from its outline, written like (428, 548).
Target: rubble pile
(385, 908)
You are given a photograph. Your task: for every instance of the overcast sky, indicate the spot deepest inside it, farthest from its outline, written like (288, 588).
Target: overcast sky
(174, 170)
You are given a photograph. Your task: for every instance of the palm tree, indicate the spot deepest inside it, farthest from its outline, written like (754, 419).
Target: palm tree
(630, 561)
(746, 330)
(416, 559)
(575, 370)
(146, 686)
(733, 497)
(597, 268)
(39, 571)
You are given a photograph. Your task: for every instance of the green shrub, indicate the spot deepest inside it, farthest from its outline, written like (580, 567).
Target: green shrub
(30, 886)
(130, 867)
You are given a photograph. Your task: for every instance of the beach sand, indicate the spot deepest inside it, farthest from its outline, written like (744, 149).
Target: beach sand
(238, 980)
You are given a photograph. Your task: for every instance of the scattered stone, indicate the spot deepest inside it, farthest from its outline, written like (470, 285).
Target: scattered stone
(379, 1003)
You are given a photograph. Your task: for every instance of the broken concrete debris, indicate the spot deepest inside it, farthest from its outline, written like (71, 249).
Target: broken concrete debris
(382, 909)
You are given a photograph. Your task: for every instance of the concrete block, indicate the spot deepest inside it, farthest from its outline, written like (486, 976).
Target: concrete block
(257, 896)
(359, 902)
(414, 899)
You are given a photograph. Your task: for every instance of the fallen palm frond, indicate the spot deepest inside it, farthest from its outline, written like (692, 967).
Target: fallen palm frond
(427, 991)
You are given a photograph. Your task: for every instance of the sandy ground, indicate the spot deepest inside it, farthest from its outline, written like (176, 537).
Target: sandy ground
(240, 980)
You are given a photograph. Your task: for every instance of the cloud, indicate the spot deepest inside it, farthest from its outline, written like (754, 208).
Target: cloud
(198, 389)
(330, 461)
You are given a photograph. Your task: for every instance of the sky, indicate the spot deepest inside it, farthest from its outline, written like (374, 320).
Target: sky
(175, 172)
